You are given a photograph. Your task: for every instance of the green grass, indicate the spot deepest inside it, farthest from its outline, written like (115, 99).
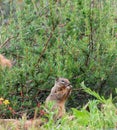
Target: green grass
(98, 114)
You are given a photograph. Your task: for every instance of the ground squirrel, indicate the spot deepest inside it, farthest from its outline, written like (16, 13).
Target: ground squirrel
(59, 94)
(5, 62)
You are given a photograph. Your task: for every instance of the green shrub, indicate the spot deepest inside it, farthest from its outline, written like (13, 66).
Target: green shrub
(72, 39)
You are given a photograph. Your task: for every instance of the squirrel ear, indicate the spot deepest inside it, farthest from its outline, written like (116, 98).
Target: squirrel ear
(57, 78)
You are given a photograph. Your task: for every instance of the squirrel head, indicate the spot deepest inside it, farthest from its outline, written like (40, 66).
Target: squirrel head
(63, 83)
(61, 90)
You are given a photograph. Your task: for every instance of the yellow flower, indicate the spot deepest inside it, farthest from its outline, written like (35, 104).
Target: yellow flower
(6, 102)
(1, 99)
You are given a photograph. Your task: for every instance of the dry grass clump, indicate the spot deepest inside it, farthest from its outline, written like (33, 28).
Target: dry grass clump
(4, 62)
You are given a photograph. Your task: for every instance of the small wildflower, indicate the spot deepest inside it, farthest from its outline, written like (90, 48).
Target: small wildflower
(42, 112)
(1, 99)
(38, 105)
(6, 102)
(12, 110)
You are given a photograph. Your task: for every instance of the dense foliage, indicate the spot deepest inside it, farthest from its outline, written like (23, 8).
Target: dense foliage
(45, 39)
(93, 118)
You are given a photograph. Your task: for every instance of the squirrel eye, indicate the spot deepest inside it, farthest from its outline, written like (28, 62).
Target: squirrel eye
(62, 81)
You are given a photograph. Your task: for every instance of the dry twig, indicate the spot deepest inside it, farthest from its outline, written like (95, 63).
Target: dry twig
(7, 41)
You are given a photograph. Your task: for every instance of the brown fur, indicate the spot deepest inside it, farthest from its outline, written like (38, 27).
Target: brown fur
(5, 62)
(59, 94)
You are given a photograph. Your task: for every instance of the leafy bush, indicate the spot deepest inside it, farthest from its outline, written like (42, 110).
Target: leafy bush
(73, 39)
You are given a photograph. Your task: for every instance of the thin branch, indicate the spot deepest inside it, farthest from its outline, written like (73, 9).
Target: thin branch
(44, 49)
(48, 90)
(7, 41)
